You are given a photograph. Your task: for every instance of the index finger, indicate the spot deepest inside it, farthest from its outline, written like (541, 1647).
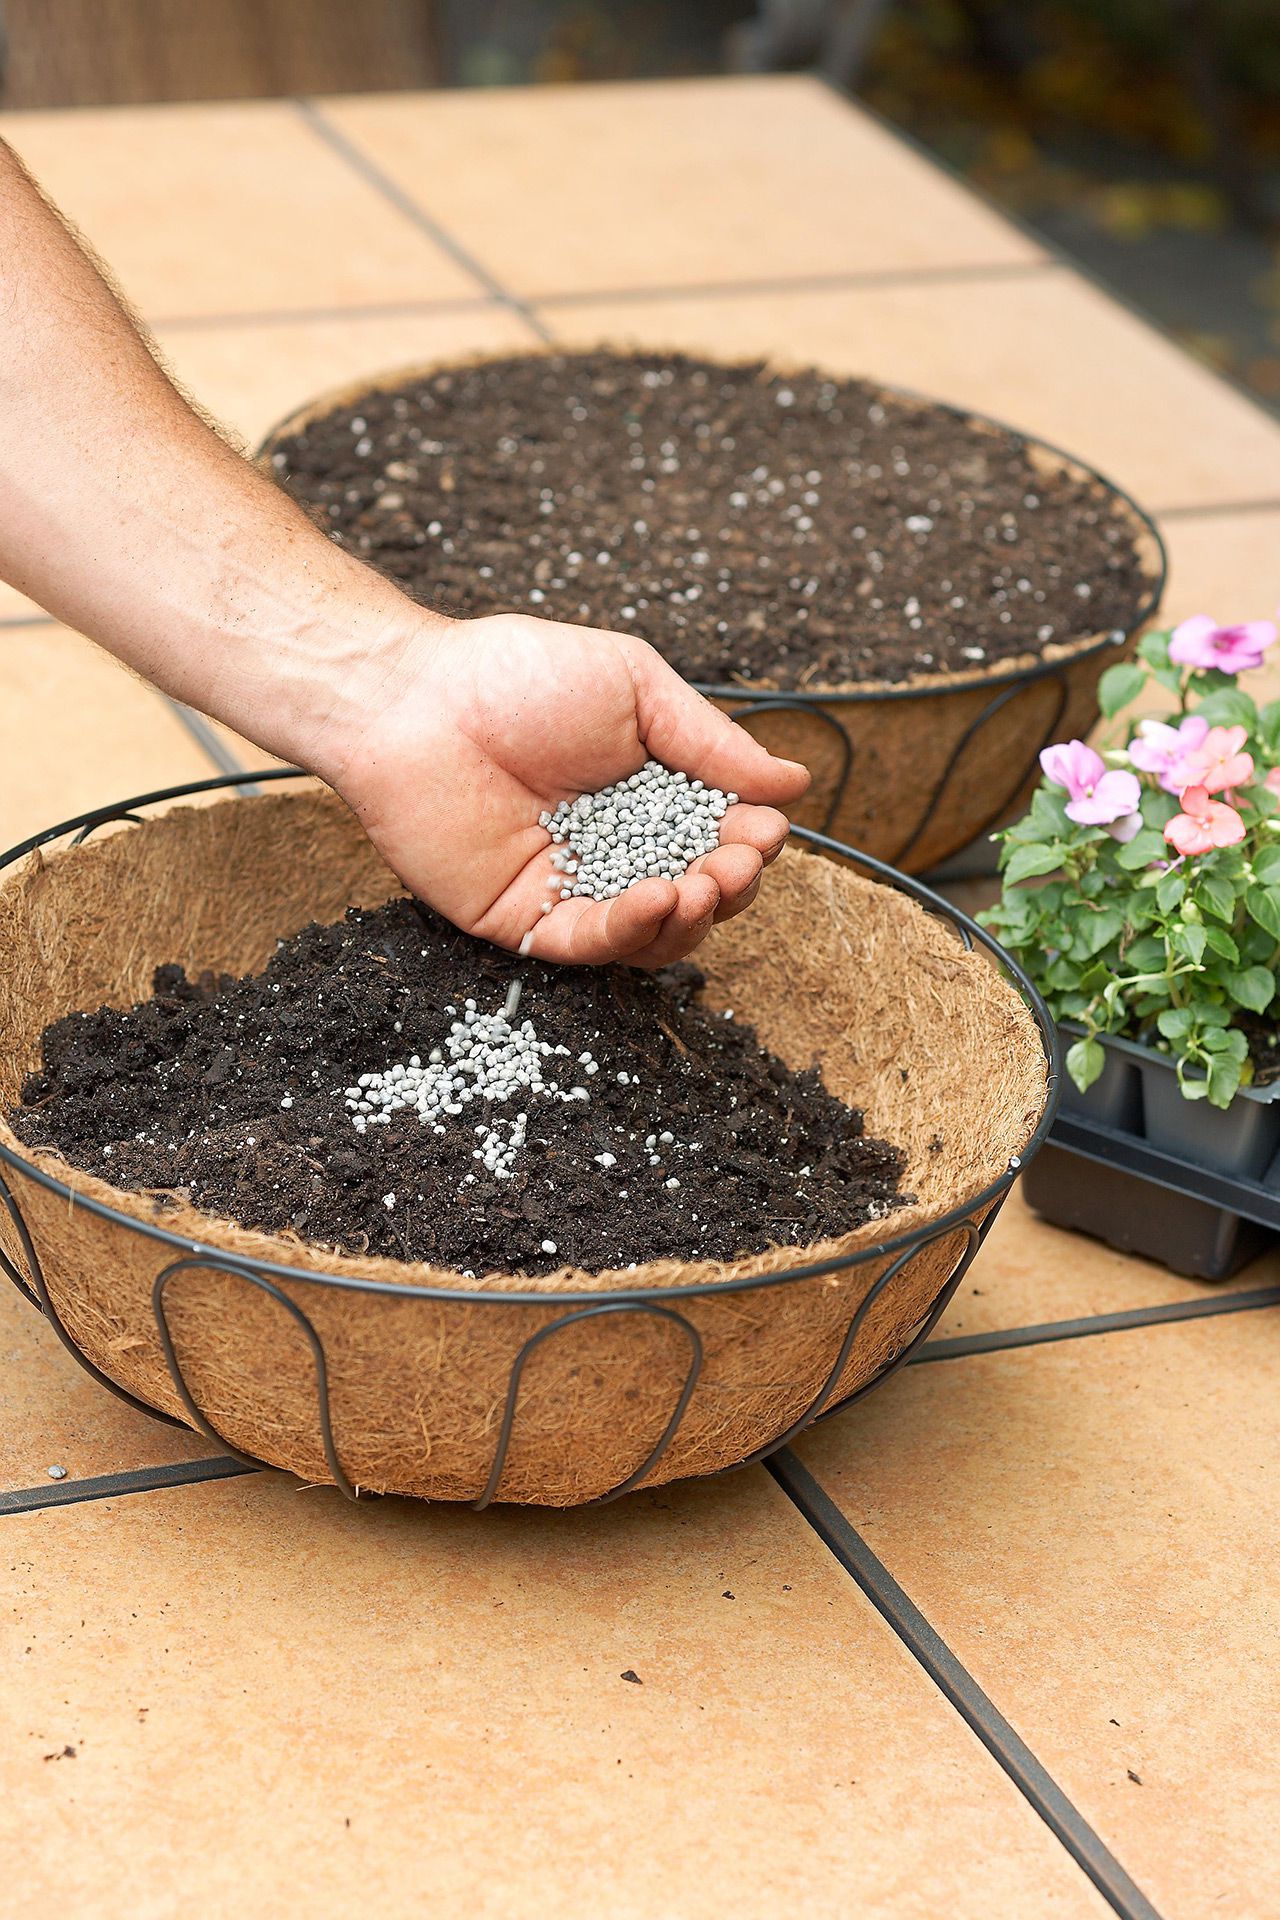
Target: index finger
(680, 727)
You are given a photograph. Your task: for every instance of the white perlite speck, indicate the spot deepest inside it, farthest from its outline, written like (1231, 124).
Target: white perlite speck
(485, 1057)
(650, 826)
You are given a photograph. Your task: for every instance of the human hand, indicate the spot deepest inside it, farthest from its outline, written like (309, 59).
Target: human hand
(468, 729)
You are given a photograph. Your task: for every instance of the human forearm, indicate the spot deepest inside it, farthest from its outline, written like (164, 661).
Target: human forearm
(125, 515)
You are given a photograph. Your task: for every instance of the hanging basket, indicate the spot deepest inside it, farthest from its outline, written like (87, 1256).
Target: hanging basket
(561, 1389)
(910, 772)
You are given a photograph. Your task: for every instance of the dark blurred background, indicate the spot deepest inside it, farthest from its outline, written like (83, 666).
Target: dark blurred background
(1140, 136)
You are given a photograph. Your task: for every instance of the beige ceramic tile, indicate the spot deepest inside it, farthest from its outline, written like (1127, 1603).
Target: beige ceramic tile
(52, 1414)
(78, 731)
(250, 376)
(1044, 351)
(1029, 1272)
(1225, 564)
(236, 208)
(279, 1704)
(568, 189)
(1094, 1529)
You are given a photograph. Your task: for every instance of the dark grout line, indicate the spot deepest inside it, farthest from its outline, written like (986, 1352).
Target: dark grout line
(1002, 1339)
(295, 316)
(382, 184)
(107, 1486)
(803, 283)
(208, 739)
(1219, 509)
(957, 1684)
(591, 296)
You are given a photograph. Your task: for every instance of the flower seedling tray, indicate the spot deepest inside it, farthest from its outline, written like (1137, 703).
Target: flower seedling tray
(1132, 1162)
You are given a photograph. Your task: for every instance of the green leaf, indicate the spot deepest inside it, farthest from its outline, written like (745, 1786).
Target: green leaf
(1096, 930)
(1269, 724)
(1145, 955)
(1190, 940)
(1253, 987)
(1085, 1061)
(1216, 895)
(1194, 1089)
(1229, 707)
(1025, 863)
(1220, 942)
(1158, 807)
(1175, 1021)
(1266, 866)
(1061, 975)
(1119, 685)
(1170, 891)
(1263, 905)
(1224, 1080)
(1154, 649)
(1145, 847)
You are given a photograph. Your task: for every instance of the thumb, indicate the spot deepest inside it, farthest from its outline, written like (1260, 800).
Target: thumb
(682, 729)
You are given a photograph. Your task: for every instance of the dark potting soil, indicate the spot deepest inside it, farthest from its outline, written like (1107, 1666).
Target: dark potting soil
(186, 1093)
(788, 530)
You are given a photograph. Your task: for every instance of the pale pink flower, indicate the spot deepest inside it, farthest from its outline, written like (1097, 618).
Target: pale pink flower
(1272, 781)
(1200, 642)
(1162, 750)
(1099, 797)
(1203, 824)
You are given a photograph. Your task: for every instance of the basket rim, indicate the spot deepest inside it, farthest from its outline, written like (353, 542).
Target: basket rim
(933, 1228)
(933, 686)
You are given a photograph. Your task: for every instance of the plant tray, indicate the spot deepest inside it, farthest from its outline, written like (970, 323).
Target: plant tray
(1131, 1162)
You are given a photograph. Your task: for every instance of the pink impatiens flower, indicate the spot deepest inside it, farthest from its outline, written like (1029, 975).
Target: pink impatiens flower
(1218, 763)
(1272, 781)
(1200, 642)
(1163, 750)
(1203, 824)
(1099, 797)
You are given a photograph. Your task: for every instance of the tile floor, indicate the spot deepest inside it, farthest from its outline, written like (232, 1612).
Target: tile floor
(1000, 1641)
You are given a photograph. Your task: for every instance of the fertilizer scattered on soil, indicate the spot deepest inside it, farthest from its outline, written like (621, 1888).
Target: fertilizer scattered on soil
(758, 528)
(670, 1133)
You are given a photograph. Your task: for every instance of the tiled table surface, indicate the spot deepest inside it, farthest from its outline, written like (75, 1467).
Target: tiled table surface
(1001, 1641)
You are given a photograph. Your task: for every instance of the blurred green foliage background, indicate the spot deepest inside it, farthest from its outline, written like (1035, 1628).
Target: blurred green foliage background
(1141, 136)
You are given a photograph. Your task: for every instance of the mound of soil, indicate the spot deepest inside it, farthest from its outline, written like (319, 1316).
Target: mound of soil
(758, 528)
(233, 1094)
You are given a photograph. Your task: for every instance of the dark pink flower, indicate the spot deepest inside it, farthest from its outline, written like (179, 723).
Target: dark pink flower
(1200, 642)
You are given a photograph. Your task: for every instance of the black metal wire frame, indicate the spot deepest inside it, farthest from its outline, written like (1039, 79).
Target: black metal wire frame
(969, 1223)
(789, 703)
